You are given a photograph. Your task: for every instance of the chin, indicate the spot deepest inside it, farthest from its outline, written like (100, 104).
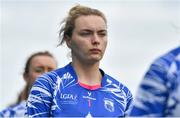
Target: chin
(95, 60)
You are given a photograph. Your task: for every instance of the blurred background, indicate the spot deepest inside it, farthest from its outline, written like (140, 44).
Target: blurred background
(138, 32)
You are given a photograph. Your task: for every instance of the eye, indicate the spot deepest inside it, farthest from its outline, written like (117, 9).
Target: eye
(39, 69)
(50, 69)
(102, 33)
(43, 69)
(85, 33)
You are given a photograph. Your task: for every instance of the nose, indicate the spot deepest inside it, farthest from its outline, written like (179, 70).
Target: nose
(95, 39)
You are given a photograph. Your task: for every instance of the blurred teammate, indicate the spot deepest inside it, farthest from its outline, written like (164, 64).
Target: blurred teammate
(37, 64)
(159, 92)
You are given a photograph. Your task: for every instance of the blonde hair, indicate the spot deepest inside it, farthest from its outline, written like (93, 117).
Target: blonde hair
(68, 24)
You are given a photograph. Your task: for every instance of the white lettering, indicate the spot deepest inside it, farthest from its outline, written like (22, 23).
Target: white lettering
(68, 96)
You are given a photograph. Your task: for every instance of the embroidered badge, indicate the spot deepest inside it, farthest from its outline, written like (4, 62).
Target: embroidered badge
(109, 104)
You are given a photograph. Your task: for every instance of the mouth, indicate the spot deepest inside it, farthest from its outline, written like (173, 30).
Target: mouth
(95, 51)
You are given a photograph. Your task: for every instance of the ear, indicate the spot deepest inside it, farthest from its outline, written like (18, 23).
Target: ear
(68, 41)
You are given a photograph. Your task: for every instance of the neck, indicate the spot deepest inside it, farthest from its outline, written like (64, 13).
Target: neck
(88, 73)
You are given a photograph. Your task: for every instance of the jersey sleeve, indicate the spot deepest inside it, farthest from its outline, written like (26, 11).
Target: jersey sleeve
(6, 113)
(129, 102)
(40, 98)
(153, 91)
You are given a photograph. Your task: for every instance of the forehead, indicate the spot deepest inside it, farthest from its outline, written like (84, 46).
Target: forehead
(43, 60)
(93, 22)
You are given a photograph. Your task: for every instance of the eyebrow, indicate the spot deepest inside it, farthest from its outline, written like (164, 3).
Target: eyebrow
(88, 30)
(43, 67)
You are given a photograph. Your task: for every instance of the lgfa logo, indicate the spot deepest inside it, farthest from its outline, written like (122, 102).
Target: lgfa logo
(68, 96)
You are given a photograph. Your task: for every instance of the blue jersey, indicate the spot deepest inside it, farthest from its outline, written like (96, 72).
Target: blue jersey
(159, 92)
(59, 94)
(15, 110)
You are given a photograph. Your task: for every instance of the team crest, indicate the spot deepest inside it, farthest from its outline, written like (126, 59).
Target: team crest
(109, 105)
